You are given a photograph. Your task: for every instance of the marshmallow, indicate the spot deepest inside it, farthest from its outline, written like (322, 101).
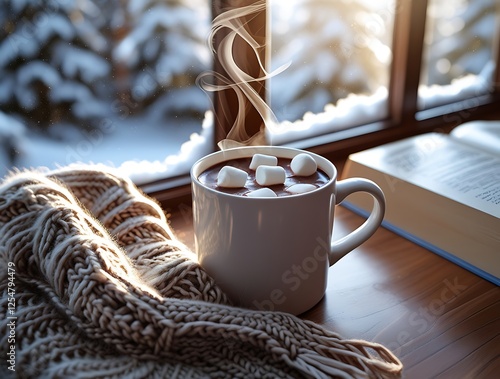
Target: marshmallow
(262, 192)
(262, 160)
(231, 177)
(303, 165)
(270, 175)
(301, 188)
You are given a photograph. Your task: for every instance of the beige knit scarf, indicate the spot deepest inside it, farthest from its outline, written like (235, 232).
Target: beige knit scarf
(103, 289)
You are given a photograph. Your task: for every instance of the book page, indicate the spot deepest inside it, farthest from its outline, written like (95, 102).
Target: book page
(484, 135)
(451, 169)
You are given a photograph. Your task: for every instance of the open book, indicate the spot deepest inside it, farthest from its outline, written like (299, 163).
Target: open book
(442, 192)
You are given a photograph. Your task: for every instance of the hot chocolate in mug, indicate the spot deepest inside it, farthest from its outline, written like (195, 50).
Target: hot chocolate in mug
(273, 253)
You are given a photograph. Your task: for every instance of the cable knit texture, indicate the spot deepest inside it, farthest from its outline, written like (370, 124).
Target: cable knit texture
(104, 289)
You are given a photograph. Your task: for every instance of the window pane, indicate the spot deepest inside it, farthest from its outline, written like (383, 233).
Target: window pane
(458, 59)
(339, 54)
(103, 81)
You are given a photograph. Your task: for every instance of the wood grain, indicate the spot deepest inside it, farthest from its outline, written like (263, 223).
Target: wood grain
(439, 319)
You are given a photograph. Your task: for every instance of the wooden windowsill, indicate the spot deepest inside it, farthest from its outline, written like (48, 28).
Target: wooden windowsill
(438, 318)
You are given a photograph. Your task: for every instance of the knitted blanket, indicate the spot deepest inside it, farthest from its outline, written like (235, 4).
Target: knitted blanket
(94, 284)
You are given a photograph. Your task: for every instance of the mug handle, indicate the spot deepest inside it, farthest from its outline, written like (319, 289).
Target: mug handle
(349, 242)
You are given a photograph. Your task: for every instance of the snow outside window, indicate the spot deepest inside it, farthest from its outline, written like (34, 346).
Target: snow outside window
(104, 81)
(340, 57)
(114, 81)
(458, 60)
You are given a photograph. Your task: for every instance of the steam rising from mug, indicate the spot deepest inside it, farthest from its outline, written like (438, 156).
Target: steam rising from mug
(237, 79)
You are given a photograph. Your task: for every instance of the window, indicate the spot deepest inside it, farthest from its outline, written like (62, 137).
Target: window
(339, 56)
(76, 73)
(390, 105)
(458, 61)
(104, 81)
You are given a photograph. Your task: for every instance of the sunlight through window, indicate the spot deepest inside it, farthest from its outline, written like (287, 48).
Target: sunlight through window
(339, 54)
(458, 60)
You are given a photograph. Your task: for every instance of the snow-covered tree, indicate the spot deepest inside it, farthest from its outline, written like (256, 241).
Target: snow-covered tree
(342, 47)
(53, 61)
(334, 49)
(11, 135)
(162, 53)
(460, 39)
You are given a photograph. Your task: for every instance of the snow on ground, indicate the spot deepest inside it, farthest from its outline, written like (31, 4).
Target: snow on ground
(143, 149)
(351, 111)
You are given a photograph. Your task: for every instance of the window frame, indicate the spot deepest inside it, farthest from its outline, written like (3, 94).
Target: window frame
(404, 118)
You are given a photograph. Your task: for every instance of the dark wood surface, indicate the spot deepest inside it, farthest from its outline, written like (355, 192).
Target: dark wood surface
(439, 319)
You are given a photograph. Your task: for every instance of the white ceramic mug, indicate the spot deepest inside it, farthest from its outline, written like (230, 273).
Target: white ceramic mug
(274, 253)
